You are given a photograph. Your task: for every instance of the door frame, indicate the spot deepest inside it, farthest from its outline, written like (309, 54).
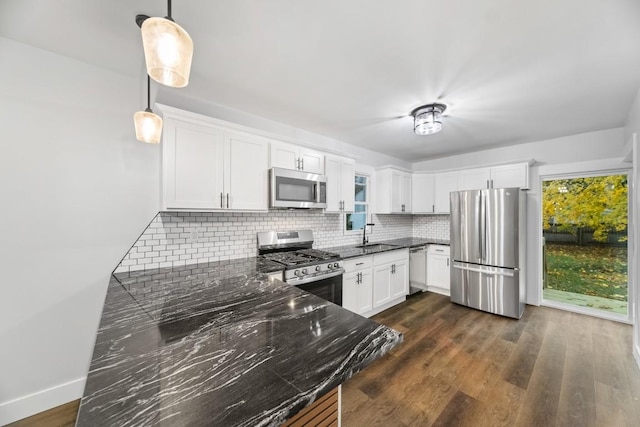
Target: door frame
(581, 170)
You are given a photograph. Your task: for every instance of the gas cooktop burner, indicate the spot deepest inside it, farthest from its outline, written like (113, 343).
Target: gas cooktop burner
(301, 257)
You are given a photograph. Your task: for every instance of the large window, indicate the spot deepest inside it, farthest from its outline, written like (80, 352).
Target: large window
(358, 219)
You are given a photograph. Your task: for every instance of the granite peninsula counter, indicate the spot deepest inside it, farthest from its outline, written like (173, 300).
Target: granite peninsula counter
(219, 344)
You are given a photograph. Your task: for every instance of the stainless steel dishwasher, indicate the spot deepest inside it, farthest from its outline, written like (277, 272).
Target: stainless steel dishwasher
(418, 269)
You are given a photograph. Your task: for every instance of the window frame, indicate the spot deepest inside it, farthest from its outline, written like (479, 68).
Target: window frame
(366, 203)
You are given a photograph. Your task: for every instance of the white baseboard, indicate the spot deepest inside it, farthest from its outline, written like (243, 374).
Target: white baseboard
(43, 400)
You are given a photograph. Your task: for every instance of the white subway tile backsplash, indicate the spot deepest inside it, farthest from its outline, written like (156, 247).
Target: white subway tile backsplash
(181, 238)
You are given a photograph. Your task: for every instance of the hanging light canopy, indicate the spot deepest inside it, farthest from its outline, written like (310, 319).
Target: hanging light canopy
(168, 49)
(427, 119)
(148, 124)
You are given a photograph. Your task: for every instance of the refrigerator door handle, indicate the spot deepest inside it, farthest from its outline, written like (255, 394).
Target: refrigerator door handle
(482, 241)
(497, 271)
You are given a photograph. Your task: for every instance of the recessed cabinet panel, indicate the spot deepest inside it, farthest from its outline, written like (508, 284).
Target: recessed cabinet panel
(284, 155)
(400, 279)
(292, 156)
(393, 191)
(312, 161)
(445, 184)
(348, 186)
(474, 179)
(381, 284)
(340, 173)
(438, 269)
(423, 194)
(246, 172)
(195, 171)
(508, 176)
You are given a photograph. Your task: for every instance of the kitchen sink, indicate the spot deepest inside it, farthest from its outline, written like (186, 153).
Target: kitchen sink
(376, 246)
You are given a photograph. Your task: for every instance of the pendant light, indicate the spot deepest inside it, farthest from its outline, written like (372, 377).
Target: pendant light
(148, 124)
(168, 49)
(427, 119)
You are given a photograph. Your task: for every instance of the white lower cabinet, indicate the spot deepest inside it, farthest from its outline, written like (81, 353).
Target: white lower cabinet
(376, 282)
(357, 285)
(438, 269)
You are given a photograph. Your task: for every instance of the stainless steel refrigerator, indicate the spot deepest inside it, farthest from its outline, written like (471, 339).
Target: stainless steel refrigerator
(488, 250)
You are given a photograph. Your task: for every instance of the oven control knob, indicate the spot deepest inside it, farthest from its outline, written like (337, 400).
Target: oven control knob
(330, 266)
(304, 271)
(318, 268)
(336, 265)
(297, 273)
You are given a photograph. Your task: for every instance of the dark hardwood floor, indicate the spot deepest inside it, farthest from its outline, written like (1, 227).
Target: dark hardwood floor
(459, 367)
(462, 367)
(60, 416)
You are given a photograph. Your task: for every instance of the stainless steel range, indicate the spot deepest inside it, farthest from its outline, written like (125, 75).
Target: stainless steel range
(315, 271)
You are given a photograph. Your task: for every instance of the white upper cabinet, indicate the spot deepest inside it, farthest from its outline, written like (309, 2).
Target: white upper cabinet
(340, 172)
(206, 166)
(423, 193)
(393, 191)
(193, 163)
(474, 179)
(246, 171)
(291, 156)
(445, 183)
(506, 176)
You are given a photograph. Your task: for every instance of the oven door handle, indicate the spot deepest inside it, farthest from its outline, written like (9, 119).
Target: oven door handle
(301, 281)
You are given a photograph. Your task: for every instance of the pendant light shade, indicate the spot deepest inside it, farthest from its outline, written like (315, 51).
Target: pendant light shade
(168, 50)
(148, 124)
(427, 119)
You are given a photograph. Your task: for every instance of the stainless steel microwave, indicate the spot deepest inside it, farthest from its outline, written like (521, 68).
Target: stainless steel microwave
(297, 189)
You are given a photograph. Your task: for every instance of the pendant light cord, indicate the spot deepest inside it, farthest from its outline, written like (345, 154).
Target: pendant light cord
(169, 10)
(148, 94)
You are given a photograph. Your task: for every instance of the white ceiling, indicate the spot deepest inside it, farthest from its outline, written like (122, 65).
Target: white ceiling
(511, 71)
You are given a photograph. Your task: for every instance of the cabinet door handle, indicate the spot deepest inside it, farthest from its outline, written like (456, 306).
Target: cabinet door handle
(221, 200)
(433, 208)
(491, 183)
(227, 200)
(488, 184)
(359, 263)
(302, 161)
(447, 262)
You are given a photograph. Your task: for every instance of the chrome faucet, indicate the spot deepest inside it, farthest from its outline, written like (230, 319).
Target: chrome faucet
(365, 240)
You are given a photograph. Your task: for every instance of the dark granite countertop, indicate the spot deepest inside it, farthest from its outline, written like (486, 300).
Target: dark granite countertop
(353, 251)
(219, 344)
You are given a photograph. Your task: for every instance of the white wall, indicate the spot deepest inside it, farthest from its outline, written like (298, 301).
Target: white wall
(632, 140)
(602, 144)
(76, 190)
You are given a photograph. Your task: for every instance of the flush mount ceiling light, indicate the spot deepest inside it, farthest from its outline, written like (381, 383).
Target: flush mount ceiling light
(427, 119)
(168, 49)
(148, 125)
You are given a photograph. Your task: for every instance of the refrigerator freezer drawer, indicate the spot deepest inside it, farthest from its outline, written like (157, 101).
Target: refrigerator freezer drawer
(491, 289)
